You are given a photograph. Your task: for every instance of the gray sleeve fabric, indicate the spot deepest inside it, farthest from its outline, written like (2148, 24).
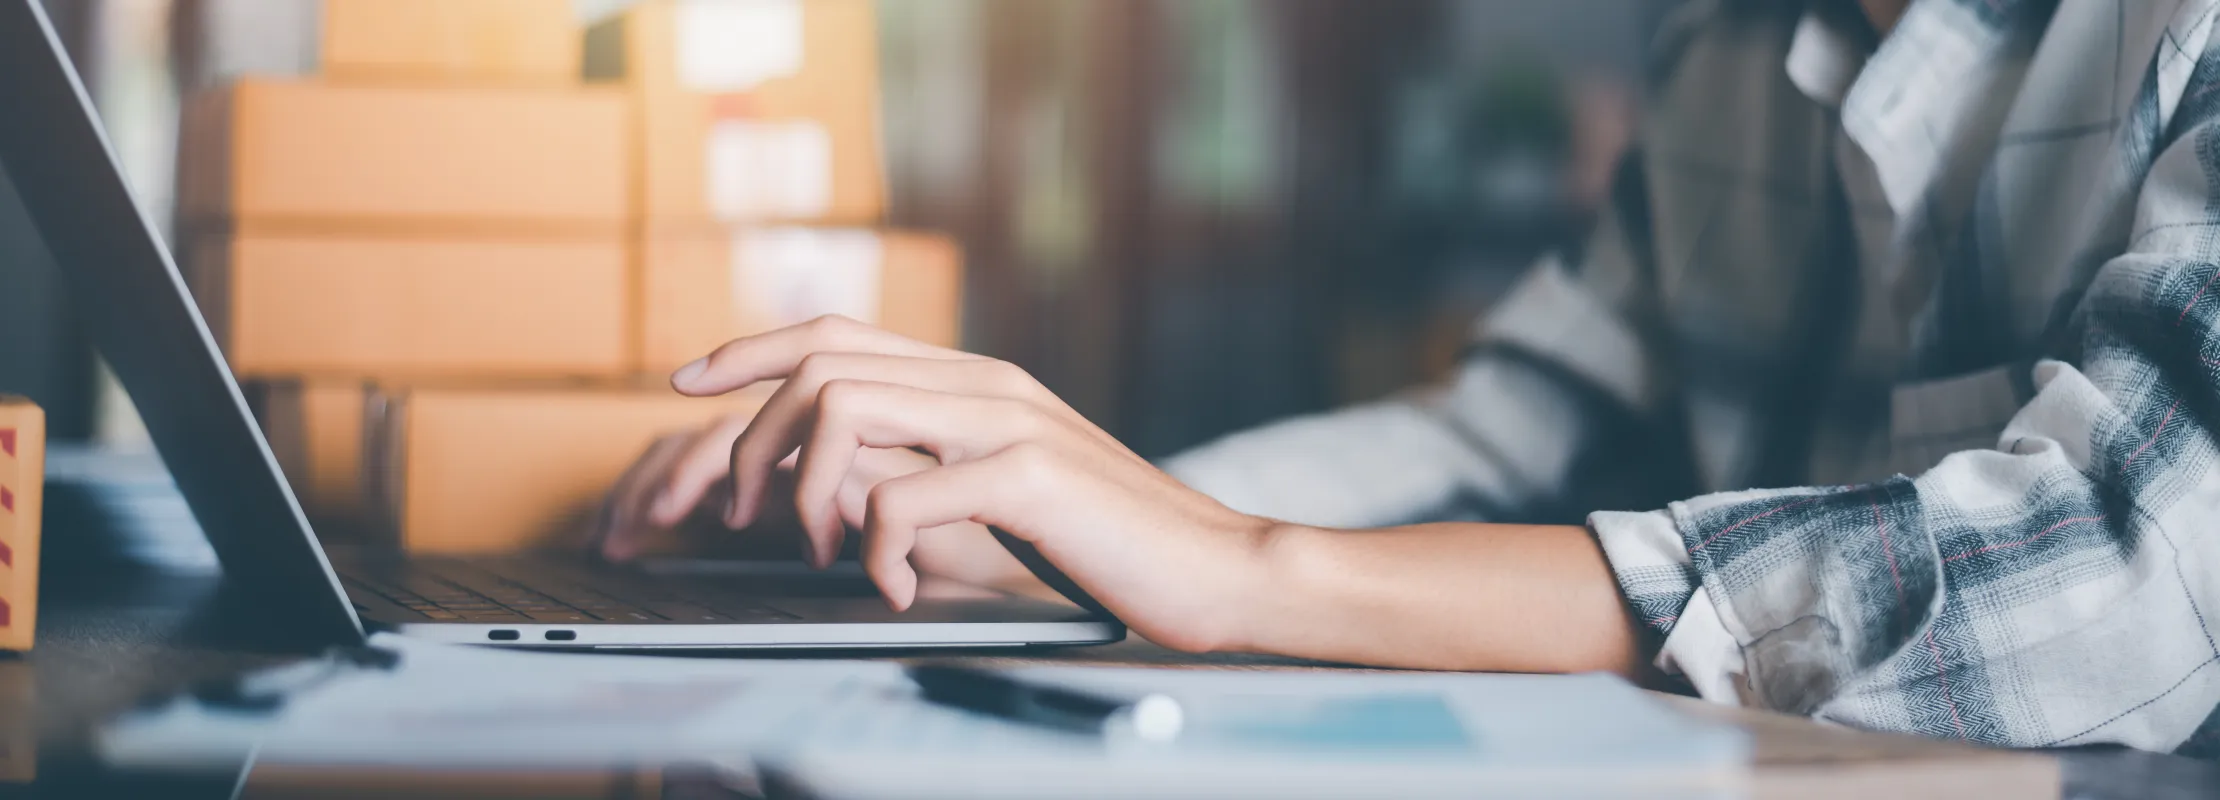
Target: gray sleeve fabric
(1550, 361)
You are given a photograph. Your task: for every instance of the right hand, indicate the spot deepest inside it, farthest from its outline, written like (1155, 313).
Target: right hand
(683, 482)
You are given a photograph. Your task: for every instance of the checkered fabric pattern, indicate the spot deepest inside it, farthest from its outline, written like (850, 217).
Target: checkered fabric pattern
(1956, 287)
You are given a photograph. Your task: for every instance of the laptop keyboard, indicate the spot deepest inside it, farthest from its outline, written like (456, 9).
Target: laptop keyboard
(460, 593)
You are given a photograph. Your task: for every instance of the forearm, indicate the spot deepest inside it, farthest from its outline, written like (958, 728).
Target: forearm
(1457, 596)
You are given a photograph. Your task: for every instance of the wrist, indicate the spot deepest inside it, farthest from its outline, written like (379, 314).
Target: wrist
(1241, 592)
(1285, 575)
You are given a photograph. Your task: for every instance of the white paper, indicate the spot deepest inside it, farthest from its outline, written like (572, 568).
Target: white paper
(793, 275)
(856, 729)
(769, 169)
(462, 706)
(732, 45)
(1284, 734)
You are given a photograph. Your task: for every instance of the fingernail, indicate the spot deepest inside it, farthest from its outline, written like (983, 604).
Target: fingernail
(685, 375)
(732, 512)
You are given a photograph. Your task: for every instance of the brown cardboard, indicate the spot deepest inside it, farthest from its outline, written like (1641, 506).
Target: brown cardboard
(800, 131)
(315, 428)
(305, 154)
(290, 304)
(700, 288)
(22, 486)
(514, 41)
(477, 470)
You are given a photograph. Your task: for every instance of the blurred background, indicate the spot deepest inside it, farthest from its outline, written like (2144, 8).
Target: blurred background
(1186, 217)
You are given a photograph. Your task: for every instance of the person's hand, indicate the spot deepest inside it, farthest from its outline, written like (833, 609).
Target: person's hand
(673, 498)
(1175, 565)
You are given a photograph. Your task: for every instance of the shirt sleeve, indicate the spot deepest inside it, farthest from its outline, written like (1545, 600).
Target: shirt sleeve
(1550, 365)
(2056, 590)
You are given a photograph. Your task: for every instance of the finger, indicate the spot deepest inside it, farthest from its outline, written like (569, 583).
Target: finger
(899, 508)
(772, 435)
(875, 465)
(753, 359)
(624, 524)
(701, 464)
(771, 439)
(852, 415)
(871, 468)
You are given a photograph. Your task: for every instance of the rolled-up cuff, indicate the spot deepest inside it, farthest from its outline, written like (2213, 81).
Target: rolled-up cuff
(1668, 599)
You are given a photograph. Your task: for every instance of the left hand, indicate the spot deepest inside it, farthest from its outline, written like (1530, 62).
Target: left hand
(1175, 565)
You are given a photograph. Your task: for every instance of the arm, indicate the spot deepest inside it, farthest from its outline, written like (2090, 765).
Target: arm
(1176, 566)
(2059, 589)
(1515, 598)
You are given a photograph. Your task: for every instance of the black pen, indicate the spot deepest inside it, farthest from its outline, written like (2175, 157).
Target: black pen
(1153, 717)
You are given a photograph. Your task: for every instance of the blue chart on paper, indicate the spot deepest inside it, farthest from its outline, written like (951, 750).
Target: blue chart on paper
(1404, 723)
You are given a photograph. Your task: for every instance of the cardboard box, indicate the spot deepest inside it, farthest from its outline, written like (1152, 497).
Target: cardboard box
(309, 155)
(315, 428)
(751, 110)
(22, 485)
(701, 289)
(518, 41)
(478, 470)
(286, 304)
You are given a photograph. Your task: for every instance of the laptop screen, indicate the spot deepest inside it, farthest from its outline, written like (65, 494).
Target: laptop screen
(135, 308)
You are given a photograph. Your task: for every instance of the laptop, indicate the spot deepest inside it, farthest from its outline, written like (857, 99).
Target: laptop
(134, 305)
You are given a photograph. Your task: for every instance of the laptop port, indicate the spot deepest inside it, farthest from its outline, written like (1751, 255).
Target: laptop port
(503, 635)
(561, 636)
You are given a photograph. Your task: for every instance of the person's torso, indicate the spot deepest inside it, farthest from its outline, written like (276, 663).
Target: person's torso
(1858, 255)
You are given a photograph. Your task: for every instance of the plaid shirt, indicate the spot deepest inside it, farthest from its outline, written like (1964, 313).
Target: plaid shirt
(1983, 252)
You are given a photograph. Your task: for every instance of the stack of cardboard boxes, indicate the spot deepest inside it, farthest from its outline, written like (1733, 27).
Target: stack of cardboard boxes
(458, 264)
(758, 127)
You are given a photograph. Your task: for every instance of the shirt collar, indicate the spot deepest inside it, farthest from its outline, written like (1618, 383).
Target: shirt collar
(1902, 99)
(1830, 46)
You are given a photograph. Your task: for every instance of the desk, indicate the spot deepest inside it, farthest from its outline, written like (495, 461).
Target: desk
(109, 637)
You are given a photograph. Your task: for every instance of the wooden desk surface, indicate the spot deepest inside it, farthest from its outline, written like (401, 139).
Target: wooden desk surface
(109, 639)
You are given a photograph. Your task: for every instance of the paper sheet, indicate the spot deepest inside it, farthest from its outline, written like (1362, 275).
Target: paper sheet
(459, 706)
(856, 729)
(1311, 734)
